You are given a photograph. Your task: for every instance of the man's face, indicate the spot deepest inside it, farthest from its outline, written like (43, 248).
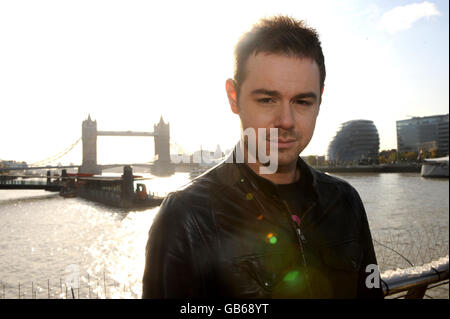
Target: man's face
(279, 92)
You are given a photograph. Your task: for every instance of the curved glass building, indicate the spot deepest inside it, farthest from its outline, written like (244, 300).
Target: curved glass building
(355, 141)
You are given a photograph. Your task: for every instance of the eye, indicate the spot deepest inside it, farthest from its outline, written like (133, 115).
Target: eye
(266, 100)
(303, 102)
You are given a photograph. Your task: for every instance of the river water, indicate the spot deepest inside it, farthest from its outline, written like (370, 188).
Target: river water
(42, 235)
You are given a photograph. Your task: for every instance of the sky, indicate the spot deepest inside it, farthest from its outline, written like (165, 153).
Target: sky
(127, 63)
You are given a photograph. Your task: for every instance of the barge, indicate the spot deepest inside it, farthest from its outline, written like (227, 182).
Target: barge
(112, 191)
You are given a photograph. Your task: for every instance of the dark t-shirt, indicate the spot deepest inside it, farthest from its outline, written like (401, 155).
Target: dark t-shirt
(293, 196)
(297, 195)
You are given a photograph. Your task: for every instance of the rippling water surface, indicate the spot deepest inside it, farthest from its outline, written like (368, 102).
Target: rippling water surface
(41, 234)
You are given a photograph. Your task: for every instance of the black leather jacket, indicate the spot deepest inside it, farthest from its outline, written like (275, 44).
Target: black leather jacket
(229, 234)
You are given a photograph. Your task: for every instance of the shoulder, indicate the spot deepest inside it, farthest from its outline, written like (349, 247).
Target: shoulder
(332, 189)
(332, 183)
(208, 186)
(175, 212)
(189, 203)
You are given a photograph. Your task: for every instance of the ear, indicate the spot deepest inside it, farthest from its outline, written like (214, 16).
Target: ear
(230, 87)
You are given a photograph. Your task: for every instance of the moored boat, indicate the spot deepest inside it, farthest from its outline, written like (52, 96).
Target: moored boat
(116, 191)
(435, 167)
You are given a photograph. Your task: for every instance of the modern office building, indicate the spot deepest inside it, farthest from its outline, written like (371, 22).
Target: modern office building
(355, 141)
(423, 133)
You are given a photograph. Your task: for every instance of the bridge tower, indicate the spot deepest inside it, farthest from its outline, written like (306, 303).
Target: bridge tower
(163, 165)
(89, 139)
(162, 141)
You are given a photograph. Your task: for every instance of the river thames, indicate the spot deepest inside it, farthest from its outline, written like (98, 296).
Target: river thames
(42, 234)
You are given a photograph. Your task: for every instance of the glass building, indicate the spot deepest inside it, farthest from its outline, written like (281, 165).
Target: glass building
(423, 133)
(355, 141)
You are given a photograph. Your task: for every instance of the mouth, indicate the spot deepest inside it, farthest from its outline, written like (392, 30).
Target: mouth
(283, 143)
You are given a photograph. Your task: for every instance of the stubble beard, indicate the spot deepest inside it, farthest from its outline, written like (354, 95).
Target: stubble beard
(286, 160)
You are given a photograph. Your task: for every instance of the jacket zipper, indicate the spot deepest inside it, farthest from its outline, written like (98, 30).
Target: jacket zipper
(301, 240)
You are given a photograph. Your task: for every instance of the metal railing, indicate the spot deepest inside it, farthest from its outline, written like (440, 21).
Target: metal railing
(409, 283)
(98, 286)
(413, 282)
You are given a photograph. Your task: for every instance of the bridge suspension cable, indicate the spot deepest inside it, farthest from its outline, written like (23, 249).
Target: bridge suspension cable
(57, 156)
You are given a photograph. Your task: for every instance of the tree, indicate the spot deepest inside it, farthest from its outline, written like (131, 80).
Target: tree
(433, 153)
(392, 158)
(311, 160)
(411, 156)
(387, 156)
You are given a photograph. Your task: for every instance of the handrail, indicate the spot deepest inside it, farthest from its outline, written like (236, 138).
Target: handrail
(415, 280)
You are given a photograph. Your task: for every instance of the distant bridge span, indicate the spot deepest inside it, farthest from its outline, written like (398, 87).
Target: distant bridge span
(3, 169)
(125, 133)
(105, 166)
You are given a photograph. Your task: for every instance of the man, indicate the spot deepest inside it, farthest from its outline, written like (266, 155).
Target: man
(235, 232)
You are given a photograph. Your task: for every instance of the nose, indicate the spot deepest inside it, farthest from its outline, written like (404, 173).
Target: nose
(285, 118)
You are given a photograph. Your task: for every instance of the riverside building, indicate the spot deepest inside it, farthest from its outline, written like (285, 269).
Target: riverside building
(423, 133)
(356, 142)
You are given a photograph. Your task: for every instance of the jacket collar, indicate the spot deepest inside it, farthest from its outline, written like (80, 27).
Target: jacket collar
(243, 174)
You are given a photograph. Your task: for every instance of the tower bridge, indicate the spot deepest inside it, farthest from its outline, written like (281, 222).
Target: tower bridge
(162, 166)
(161, 135)
(119, 191)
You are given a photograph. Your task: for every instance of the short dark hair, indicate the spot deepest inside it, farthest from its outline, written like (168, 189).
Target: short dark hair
(281, 35)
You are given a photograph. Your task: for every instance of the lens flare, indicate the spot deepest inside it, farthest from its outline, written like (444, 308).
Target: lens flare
(272, 238)
(291, 276)
(296, 219)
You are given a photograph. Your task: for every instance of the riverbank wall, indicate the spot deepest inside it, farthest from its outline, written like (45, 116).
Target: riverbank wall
(413, 168)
